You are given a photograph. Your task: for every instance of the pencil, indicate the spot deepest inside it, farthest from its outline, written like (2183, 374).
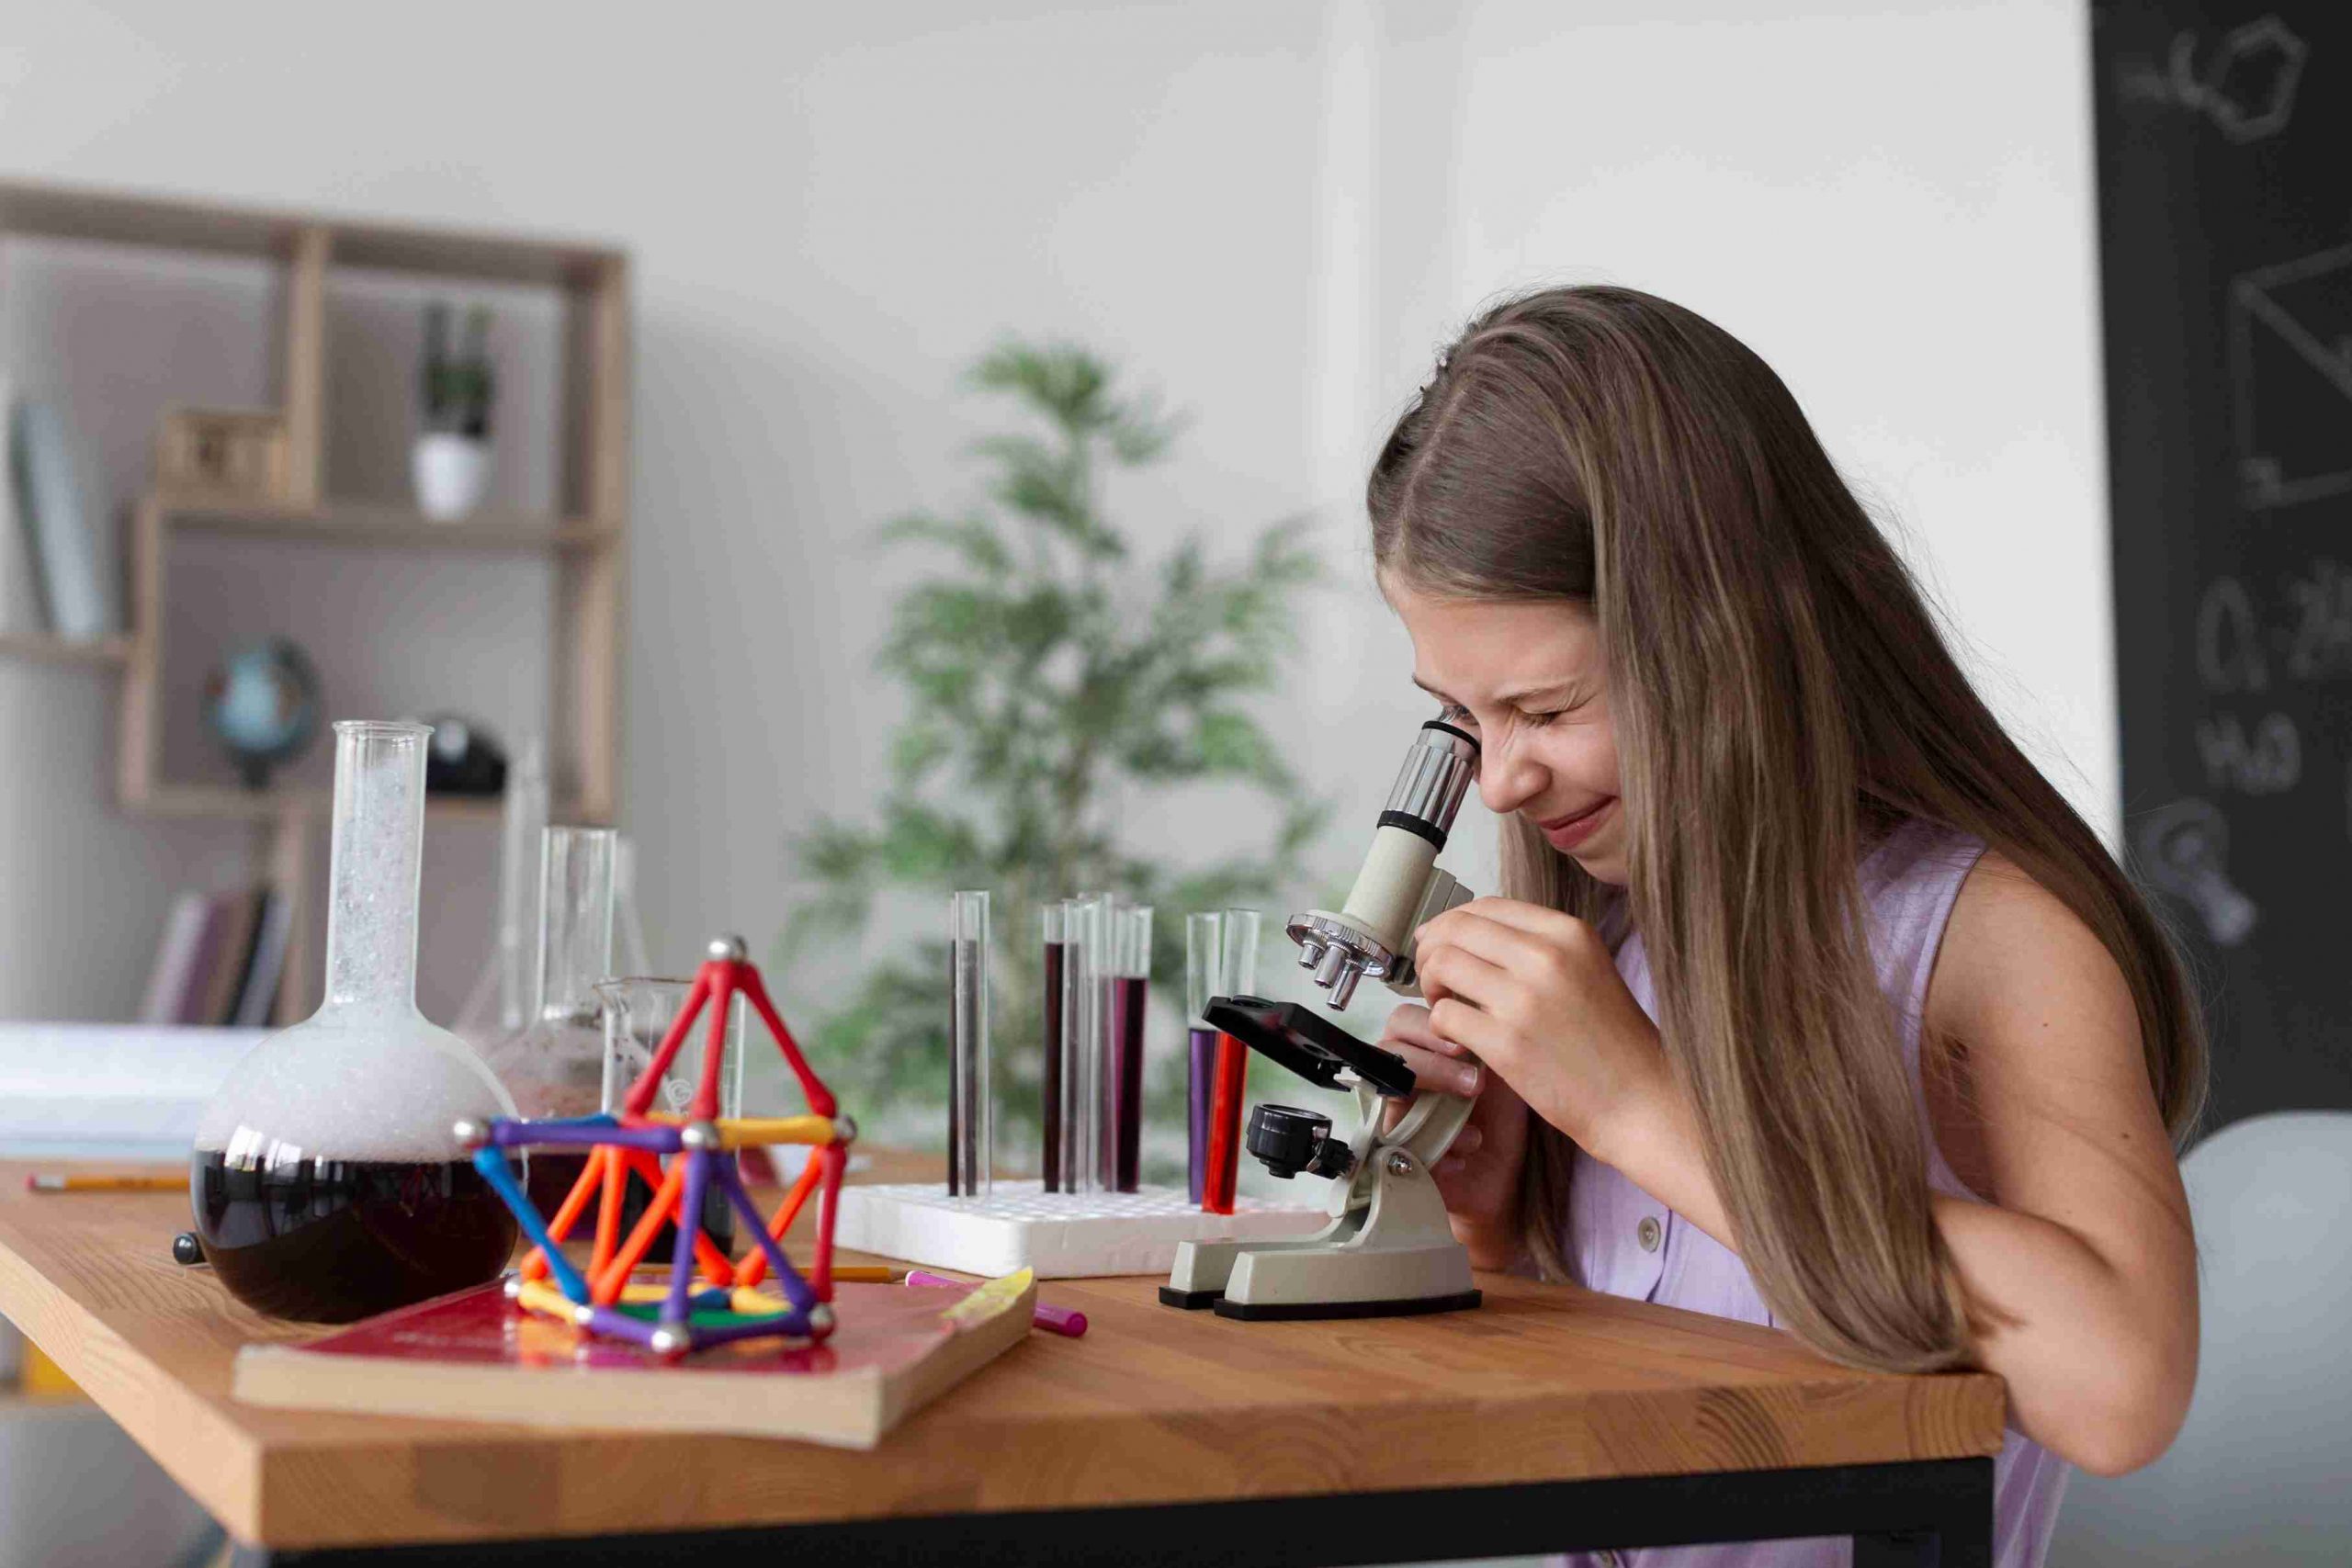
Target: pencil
(55, 1183)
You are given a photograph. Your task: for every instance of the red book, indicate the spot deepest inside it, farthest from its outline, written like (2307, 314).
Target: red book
(474, 1356)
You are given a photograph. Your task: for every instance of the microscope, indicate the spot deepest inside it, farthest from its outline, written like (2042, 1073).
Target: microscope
(1387, 1250)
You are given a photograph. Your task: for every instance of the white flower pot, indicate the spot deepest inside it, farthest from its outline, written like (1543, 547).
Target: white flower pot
(451, 474)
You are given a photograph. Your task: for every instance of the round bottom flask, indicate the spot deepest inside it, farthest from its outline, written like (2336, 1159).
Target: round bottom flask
(328, 1182)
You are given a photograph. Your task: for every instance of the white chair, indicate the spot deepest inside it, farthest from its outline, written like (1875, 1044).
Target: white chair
(2262, 1471)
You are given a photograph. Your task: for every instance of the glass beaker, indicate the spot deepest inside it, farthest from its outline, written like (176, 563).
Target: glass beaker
(638, 1010)
(327, 1180)
(554, 1065)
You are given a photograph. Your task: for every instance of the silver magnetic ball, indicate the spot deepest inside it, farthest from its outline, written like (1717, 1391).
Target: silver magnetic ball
(700, 1135)
(470, 1133)
(585, 1316)
(844, 1130)
(667, 1342)
(821, 1319)
(729, 948)
(514, 1287)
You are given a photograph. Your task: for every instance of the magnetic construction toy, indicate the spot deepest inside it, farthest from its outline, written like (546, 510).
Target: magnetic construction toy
(687, 1313)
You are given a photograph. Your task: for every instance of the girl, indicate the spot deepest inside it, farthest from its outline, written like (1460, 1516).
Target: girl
(1808, 1001)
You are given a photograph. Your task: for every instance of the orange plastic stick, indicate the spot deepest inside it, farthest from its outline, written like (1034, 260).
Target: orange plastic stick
(535, 1267)
(608, 1213)
(663, 1207)
(755, 1267)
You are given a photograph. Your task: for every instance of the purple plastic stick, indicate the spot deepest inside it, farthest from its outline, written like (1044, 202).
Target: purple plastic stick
(620, 1325)
(788, 1277)
(689, 1228)
(793, 1325)
(525, 1134)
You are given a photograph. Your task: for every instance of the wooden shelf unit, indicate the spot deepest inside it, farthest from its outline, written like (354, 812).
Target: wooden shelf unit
(586, 541)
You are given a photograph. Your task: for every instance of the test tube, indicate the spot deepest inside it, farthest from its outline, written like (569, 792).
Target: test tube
(1130, 1006)
(1238, 976)
(1082, 1000)
(1104, 1050)
(968, 1035)
(1054, 923)
(1204, 935)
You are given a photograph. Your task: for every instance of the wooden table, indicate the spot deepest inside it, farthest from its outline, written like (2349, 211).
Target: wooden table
(1549, 1418)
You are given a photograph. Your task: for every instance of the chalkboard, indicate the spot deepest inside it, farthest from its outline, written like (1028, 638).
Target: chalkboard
(2224, 137)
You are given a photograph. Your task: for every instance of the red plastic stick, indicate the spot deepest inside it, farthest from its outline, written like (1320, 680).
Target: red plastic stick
(723, 987)
(1225, 1127)
(820, 1099)
(649, 1082)
(755, 1267)
(834, 1157)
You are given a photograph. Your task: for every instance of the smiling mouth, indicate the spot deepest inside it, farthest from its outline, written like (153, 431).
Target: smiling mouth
(1573, 817)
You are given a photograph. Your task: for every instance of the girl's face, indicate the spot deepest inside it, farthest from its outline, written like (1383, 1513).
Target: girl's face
(1528, 680)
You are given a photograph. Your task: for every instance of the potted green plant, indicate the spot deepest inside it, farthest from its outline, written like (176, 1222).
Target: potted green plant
(451, 462)
(1057, 681)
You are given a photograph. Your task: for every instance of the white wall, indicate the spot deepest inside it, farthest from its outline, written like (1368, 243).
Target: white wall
(1272, 212)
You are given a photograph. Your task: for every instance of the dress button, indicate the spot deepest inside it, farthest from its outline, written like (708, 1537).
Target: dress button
(1649, 1233)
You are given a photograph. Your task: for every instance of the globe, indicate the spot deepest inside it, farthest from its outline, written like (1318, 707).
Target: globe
(262, 704)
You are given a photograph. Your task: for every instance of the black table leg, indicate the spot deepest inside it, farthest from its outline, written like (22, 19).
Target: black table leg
(1929, 1514)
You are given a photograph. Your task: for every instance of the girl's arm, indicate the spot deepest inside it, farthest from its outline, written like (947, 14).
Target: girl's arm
(2083, 1255)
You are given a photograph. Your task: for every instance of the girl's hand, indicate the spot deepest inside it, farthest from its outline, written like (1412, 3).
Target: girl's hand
(1535, 994)
(1479, 1178)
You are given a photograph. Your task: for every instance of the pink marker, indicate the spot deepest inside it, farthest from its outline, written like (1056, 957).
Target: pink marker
(1053, 1320)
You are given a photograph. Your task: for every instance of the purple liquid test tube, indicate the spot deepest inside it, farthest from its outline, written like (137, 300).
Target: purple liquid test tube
(1204, 938)
(1130, 1004)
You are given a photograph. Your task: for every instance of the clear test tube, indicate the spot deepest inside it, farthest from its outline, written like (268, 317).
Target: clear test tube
(1237, 954)
(1130, 1007)
(1081, 997)
(968, 1035)
(1204, 960)
(1054, 927)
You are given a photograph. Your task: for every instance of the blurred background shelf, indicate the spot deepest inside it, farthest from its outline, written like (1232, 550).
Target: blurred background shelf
(509, 616)
(229, 802)
(57, 650)
(376, 523)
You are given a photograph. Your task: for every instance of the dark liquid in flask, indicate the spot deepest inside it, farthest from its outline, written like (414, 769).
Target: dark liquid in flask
(549, 1177)
(330, 1241)
(717, 1221)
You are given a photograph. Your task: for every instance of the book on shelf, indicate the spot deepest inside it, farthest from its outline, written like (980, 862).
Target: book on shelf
(220, 959)
(77, 568)
(223, 985)
(258, 997)
(472, 1357)
(178, 955)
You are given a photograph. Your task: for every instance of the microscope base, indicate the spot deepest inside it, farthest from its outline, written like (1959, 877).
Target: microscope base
(1411, 1307)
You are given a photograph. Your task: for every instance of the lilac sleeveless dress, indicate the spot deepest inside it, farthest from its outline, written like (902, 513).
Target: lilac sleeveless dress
(1624, 1242)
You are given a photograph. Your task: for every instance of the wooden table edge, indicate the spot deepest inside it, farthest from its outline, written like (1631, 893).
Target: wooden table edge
(268, 1496)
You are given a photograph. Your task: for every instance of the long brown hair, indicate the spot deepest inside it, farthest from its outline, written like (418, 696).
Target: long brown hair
(1782, 697)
